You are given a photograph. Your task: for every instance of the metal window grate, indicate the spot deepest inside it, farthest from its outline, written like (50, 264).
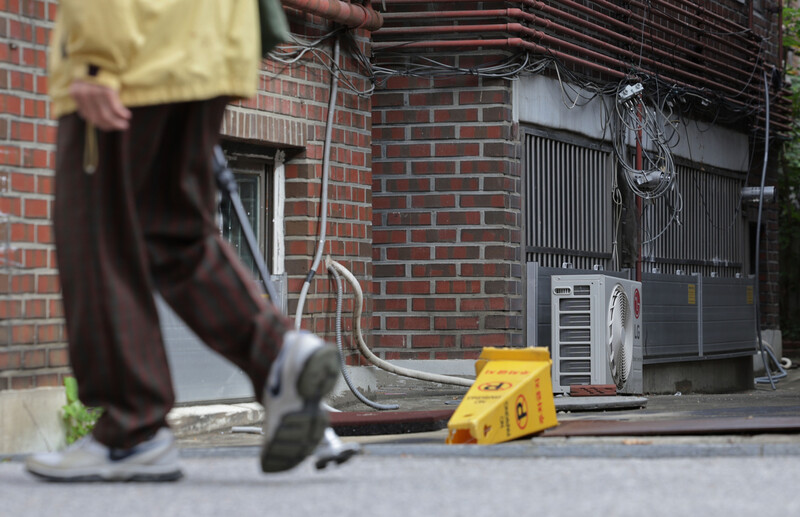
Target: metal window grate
(568, 203)
(708, 235)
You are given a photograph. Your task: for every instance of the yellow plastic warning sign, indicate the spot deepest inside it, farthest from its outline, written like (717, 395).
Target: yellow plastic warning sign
(511, 397)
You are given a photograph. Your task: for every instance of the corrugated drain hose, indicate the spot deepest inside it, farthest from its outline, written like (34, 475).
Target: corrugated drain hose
(362, 346)
(360, 396)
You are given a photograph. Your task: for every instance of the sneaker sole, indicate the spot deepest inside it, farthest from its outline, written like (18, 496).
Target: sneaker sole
(299, 432)
(338, 458)
(142, 477)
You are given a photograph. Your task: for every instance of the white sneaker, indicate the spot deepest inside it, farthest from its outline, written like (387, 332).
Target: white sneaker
(304, 372)
(334, 450)
(88, 460)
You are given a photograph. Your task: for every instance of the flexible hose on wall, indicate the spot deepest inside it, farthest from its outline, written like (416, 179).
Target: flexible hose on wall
(360, 396)
(362, 346)
(406, 372)
(780, 364)
(326, 155)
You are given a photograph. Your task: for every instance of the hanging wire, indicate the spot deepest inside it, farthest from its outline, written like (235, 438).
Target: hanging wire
(641, 126)
(292, 53)
(675, 209)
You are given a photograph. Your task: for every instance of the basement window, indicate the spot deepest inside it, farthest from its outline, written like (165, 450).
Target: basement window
(251, 173)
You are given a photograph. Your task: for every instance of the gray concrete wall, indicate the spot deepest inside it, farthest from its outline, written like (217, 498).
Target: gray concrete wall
(539, 100)
(30, 420)
(708, 376)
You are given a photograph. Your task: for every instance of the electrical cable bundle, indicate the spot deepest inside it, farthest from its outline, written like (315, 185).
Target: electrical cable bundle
(643, 125)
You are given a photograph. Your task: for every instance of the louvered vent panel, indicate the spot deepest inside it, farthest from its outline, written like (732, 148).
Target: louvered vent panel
(568, 203)
(707, 233)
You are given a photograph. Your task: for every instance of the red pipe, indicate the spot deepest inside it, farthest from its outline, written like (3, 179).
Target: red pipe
(641, 19)
(679, 36)
(542, 22)
(681, 11)
(639, 203)
(354, 16)
(505, 43)
(574, 48)
(701, 10)
(589, 10)
(536, 4)
(538, 35)
(538, 49)
(700, 22)
(516, 28)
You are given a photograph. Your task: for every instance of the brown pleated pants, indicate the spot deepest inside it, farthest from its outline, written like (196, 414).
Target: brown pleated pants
(144, 221)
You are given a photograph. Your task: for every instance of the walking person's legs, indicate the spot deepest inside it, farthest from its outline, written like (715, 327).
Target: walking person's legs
(143, 221)
(198, 274)
(115, 344)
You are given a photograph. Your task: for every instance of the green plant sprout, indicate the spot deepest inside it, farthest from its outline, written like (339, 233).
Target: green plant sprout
(78, 419)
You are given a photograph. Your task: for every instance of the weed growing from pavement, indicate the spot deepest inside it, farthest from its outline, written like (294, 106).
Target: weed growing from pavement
(78, 419)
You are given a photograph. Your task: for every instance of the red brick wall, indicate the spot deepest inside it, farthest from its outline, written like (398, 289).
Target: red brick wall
(288, 113)
(32, 348)
(291, 112)
(769, 275)
(446, 216)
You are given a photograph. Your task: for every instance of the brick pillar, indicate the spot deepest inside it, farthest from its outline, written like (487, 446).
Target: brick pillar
(32, 335)
(446, 218)
(769, 274)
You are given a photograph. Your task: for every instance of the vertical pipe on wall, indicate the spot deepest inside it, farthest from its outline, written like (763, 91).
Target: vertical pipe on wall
(639, 208)
(323, 228)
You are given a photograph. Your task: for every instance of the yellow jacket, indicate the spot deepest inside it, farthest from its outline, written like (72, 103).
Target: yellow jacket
(155, 51)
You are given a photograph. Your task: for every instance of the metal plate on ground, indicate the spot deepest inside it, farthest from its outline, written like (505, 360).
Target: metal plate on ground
(684, 426)
(599, 403)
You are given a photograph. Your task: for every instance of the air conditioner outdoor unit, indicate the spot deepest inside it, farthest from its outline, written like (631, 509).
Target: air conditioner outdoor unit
(596, 332)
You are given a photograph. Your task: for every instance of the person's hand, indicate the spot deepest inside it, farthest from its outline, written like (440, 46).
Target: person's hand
(100, 105)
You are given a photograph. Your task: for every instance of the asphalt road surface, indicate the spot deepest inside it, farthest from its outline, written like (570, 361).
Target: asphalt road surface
(677, 477)
(417, 475)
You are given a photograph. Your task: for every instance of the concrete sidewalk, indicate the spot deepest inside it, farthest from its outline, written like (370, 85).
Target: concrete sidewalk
(425, 407)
